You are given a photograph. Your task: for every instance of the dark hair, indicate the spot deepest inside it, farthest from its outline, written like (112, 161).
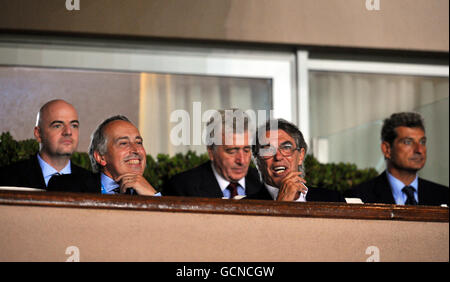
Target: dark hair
(408, 119)
(98, 140)
(277, 124)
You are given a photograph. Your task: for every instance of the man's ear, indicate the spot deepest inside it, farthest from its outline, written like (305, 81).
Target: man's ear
(302, 156)
(100, 159)
(386, 149)
(211, 152)
(37, 134)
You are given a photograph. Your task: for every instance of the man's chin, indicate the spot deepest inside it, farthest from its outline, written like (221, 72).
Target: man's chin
(65, 154)
(134, 170)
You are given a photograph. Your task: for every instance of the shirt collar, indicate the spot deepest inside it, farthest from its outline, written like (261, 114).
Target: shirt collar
(223, 183)
(397, 185)
(108, 184)
(48, 170)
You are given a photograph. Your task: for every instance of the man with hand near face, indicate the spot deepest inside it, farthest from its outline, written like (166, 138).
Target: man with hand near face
(57, 131)
(227, 174)
(279, 152)
(405, 151)
(117, 152)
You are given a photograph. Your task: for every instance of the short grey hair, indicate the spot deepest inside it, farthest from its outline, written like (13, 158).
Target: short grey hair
(99, 141)
(219, 122)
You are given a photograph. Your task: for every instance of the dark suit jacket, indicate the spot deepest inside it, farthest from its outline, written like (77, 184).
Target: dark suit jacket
(378, 190)
(315, 194)
(201, 182)
(28, 173)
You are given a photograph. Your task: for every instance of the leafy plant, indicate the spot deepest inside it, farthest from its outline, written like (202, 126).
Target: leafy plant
(340, 176)
(12, 151)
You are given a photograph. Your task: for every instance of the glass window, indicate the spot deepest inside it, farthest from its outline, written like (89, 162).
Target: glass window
(146, 82)
(147, 99)
(347, 112)
(162, 94)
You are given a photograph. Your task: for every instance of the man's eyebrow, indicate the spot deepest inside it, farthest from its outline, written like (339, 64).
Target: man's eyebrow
(128, 138)
(56, 122)
(122, 138)
(287, 143)
(233, 148)
(60, 121)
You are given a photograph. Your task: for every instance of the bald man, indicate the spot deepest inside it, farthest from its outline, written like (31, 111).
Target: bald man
(57, 131)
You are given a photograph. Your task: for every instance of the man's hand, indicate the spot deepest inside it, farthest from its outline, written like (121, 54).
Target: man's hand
(291, 187)
(137, 182)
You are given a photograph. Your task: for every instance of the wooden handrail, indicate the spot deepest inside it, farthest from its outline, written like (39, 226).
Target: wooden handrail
(223, 206)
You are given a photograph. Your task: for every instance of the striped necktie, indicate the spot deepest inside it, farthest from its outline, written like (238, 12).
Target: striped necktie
(409, 191)
(233, 189)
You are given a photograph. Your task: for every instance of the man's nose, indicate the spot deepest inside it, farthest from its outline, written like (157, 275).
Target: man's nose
(133, 147)
(239, 157)
(278, 155)
(420, 148)
(67, 131)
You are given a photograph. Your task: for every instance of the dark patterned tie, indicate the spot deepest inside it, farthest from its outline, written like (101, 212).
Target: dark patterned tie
(409, 191)
(233, 189)
(53, 179)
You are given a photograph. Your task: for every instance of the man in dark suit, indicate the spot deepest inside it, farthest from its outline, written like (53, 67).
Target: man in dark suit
(279, 151)
(117, 153)
(227, 174)
(404, 149)
(57, 131)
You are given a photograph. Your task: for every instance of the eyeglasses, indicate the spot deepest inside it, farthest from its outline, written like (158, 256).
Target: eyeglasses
(268, 151)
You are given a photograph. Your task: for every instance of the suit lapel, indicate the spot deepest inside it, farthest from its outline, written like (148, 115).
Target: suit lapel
(34, 174)
(209, 185)
(383, 189)
(425, 195)
(252, 183)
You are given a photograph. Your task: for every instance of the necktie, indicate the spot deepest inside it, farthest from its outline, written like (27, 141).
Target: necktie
(409, 191)
(53, 179)
(233, 189)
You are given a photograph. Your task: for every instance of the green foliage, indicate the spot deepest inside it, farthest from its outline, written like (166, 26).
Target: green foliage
(12, 151)
(161, 170)
(334, 176)
(338, 177)
(81, 159)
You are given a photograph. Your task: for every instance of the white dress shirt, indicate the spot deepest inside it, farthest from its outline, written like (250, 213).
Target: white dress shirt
(223, 184)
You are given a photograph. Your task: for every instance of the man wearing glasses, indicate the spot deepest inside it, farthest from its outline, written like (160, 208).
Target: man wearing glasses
(279, 153)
